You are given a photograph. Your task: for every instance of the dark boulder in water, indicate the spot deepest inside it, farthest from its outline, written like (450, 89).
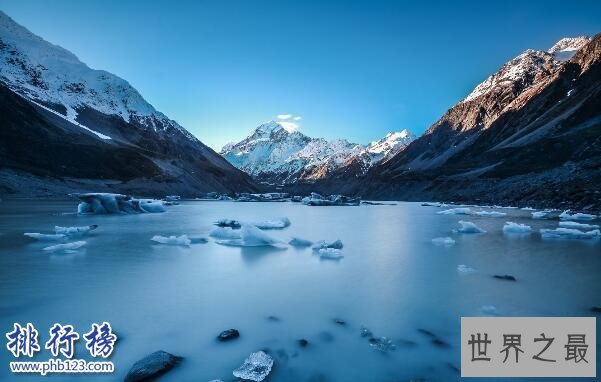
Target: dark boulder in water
(596, 309)
(303, 343)
(505, 277)
(152, 366)
(228, 335)
(339, 321)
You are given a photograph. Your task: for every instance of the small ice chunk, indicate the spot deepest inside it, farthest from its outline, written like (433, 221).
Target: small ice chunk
(322, 244)
(75, 231)
(456, 211)
(224, 233)
(46, 237)
(298, 242)
(330, 253)
(255, 368)
(576, 225)
(565, 215)
(527, 209)
(492, 214)
(462, 268)
(66, 247)
(516, 228)
(272, 224)
(383, 344)
(251, 236)
(569, 233)
(172, 240)
(469, 227)
(153, 206)
(446, 241)
(488, 310)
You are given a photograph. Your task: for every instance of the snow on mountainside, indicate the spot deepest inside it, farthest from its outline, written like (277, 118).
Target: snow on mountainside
(53, 76)
(565, 48)
(274, 154)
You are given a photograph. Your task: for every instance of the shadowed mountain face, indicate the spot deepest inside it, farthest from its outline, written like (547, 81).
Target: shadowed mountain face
(530, 134)
(66, 127)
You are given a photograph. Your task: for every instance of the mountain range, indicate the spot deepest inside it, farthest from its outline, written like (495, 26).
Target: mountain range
(276, 156)
(67, 127)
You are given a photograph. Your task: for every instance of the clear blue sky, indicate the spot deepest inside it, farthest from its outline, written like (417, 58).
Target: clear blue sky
(353, 69)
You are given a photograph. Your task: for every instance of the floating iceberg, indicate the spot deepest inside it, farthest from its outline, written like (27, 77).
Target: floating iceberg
(580, 226)
(462, 268)
(330, 253)
(565, 215)
(46, 237)
(106, 203)
(172, 240)
(172, 198)
(332, 200)
(66, 246)
(542, 214)
(298, 242)
(322, 244)
(265, 197)
(224, 233)
(228, 223)
(456, 211)
(527, 209)
(272, 224)
(383, 344)
(492, 214)
(75, 231)
(255, 368)
(515, 228)
(251, 236)
(469, 227)
(446, 241)
(569, 233)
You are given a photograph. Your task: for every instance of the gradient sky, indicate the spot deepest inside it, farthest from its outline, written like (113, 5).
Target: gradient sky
(353, 69)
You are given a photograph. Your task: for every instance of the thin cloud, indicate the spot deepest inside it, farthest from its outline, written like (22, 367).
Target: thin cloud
(298, 118)
(289, 126)
(284, 116)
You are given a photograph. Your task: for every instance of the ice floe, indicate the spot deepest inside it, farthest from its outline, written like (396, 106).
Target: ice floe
(333, 200)
(272, 224)
(565, 215)
(576, 225)
(224, 233)
(182, 240)
(329, 253)
(492, 214)
(66, 247)
(298, 242)
(46, 236)
(569, 233)
(75, 231)
(469, 227)
(251, 236)
(107, 203)
(322, 244)
(446, 241)
(456, 211)
(462, 268)
(527, 209)
(255, 368)
(516, 228)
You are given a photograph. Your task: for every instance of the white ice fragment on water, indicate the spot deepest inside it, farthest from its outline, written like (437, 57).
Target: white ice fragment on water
(272, 224)
(251, 236)
(75, 231)
(546, 214)
(224, 233)
(172, 240)
(527, 209)
(153, 206)
(488, 310)
(469, 227)
(322, 244)
(456, 211)
(580, 226)
(462, 268)
(569, 233)
(446, 241)
(330, 253)
(516, 228)
(255, 368)
(107, 203)
(298, 242)
(492, 214)
(66, 247)
(565, 215)
(45, 236)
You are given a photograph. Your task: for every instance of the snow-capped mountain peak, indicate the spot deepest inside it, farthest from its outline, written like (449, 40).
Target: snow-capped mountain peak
(565, 48)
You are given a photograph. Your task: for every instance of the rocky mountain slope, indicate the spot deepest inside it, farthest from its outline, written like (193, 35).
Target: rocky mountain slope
(529, 134)
(274, 155)
(66, 127)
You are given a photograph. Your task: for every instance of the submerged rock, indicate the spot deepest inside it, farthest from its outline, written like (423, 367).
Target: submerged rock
(152, 366)
(303, 343)
(339, 321)
(505, 277)
(298, 242)
(273, 318)
(596, 309)
(365, 332)
(434, 339)
(382, 344)
(255, 368)
(228, 335)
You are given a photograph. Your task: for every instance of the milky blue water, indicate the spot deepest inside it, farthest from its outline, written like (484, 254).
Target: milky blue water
(392, 280)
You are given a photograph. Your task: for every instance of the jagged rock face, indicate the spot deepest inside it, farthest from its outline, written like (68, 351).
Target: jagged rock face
(275, 155)
(74, 110)
(535, 137)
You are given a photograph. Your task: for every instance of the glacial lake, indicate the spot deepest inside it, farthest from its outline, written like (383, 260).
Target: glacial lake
(392, 279)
